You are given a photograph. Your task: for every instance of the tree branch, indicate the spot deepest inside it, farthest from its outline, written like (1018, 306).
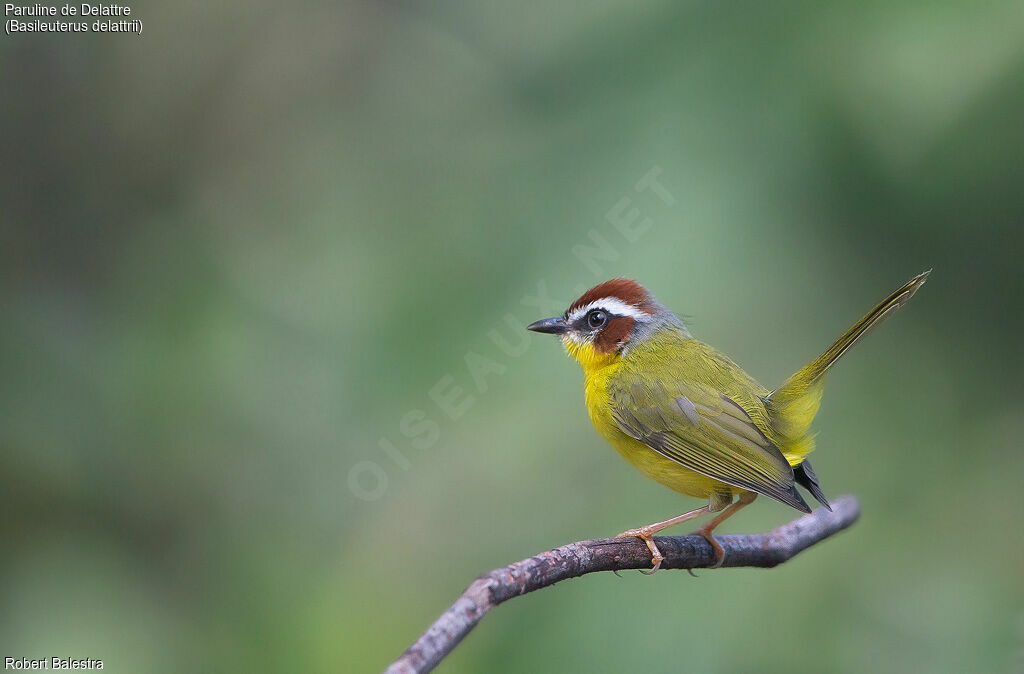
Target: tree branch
(615, 554)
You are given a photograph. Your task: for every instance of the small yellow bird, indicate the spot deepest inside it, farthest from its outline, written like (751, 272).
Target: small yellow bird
(687, 416)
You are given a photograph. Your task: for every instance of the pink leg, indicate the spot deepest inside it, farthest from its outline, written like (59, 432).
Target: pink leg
(646, 534)
(745, 499)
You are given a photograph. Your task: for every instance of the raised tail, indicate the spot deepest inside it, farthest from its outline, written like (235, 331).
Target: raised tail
(793, 405)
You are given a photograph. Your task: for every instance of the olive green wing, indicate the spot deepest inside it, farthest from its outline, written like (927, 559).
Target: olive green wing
(703, 430)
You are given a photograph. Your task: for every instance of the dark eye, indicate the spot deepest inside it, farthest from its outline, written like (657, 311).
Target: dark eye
(596, 318)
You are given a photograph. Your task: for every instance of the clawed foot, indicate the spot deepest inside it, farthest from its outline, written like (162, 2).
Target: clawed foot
(719, 550)
(647, 536)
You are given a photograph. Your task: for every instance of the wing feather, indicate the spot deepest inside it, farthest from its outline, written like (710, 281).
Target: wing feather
(705, 431)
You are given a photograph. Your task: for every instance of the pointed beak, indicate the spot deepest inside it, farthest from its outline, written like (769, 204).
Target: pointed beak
(549, 326)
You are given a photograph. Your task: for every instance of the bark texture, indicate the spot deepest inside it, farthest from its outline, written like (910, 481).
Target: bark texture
(615, 554)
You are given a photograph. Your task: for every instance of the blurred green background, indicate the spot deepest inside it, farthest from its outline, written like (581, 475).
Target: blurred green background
(238, 250)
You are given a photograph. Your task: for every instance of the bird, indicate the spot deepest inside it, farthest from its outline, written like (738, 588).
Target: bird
(690, 418)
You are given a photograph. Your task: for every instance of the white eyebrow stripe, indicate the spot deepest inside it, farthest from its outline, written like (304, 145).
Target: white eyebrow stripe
(612, 305)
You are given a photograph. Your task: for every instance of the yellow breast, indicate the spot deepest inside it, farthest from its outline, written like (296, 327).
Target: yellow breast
(597, 370)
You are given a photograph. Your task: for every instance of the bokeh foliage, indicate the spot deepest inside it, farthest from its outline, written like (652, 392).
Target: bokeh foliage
(238, 249)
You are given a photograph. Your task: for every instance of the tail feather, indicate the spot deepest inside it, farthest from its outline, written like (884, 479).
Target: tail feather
(805, 477)
(817, 367)
(793, 405)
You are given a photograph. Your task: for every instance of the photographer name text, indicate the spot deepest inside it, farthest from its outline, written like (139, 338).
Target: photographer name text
(29, 664)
